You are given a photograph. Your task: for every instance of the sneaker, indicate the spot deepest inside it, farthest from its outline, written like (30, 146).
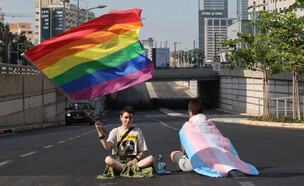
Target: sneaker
(236, 173)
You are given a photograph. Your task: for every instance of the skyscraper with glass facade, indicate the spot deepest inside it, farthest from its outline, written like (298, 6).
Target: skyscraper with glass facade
(242, 10)
(210, 9)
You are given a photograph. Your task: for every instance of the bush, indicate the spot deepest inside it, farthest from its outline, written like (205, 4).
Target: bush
(276, 119)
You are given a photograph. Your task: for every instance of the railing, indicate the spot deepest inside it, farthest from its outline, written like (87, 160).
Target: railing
(282, 106)
(17, 69)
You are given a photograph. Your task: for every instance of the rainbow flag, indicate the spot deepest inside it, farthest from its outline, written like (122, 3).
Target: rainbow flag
(210, 153)
(97, 58)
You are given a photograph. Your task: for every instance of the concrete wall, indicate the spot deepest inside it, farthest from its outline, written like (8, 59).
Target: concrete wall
(29, 99)
(242, 91)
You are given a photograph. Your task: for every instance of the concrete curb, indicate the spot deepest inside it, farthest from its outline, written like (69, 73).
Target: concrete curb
(273, 124)
(237, 119)
(29, 127)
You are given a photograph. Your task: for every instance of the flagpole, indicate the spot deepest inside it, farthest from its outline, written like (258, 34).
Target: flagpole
(63, 92)
(86, 113)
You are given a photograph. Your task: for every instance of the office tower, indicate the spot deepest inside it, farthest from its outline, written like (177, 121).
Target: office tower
(242, 10)
(210, 9)
(215, 32)
(54, 17)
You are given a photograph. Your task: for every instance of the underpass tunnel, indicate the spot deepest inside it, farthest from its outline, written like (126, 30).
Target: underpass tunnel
(165, 94)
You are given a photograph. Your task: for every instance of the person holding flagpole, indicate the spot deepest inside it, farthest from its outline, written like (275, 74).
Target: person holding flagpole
(128, 144)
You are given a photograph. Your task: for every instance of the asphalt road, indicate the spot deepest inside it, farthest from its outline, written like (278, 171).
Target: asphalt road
(73, 155)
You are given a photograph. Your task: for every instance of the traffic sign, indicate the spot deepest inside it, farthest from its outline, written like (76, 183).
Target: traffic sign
(298, 35)
(216, 66)
(216, 59)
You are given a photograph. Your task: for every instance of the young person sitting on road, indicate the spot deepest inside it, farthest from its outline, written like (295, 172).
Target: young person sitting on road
(205, 150)
(129, 161)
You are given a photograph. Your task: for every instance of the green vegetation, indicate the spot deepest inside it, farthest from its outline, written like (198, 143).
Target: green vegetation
(275, 48)
(276, 119)
(10, 44)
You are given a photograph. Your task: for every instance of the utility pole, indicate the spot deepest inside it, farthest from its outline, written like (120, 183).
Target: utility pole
(64, 14)
(6, 45)
(214, 44)
(40, 29)
(175, 45)
(77, 12)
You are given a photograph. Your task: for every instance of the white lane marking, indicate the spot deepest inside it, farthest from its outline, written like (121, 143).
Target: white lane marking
(78, 136)
(246, 183)
(28, 154)
(61, 142)
(71, 138)
(9, 134)
(171, 113)
(164, 124)
(5, 162)
(151, 90)
(88, 132)
(49, 146)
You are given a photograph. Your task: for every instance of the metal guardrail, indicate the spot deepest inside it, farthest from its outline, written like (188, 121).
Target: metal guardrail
(282, 106)
(17, 69)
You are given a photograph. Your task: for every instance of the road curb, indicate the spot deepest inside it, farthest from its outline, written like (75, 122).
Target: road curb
(29, 127)
(234, 119)
(273, 124)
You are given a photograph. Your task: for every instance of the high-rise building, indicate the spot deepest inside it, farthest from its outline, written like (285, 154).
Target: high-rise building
(242, 10)
(54, 17)
(254, 6)
(210, 9)
(148, 44)
(278, 6)
(215, 32)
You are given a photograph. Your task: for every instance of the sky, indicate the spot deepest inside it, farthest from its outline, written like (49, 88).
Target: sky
(164, 20)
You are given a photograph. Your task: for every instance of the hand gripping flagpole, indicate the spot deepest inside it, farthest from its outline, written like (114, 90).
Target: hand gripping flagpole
(91, 118)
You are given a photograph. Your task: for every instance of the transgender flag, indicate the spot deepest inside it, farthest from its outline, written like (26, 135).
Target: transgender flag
(97, 58)
(210, 153)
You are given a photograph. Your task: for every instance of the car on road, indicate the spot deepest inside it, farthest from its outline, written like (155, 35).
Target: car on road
(76, 115)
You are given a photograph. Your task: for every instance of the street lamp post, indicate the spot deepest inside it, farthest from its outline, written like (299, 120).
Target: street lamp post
(77, 12)
(175, 45)
(18, 52)
(99, 6)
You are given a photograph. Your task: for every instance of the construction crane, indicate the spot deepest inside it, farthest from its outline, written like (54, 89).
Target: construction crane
(18, 15)
(2, 15)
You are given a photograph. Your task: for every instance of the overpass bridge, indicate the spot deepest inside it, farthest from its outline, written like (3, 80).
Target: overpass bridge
(27, 97)
(185, 74)
(172, 74)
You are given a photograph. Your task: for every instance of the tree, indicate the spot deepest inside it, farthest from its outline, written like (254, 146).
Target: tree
(283, 31)
(9, 44)
(19, 46)
(256, 54)
(196, 57)
(274, 49)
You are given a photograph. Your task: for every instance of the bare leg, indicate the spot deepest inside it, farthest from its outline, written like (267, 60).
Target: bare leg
(173, 154)
(145, 162)
(114, 163)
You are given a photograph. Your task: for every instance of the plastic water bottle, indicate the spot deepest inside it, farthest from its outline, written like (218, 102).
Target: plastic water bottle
(161, 166)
